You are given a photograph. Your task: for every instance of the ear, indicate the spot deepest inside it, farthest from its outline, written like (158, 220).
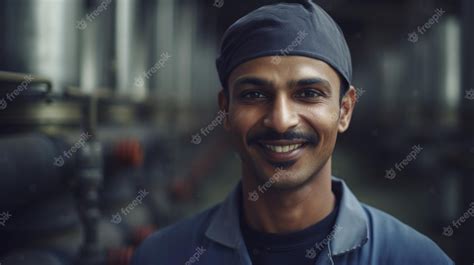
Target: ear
(223, 101)
(347, 107)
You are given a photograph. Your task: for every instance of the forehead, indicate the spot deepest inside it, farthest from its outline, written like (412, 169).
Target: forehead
(284, 69)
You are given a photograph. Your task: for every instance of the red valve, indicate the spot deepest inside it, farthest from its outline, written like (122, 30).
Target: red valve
(129, 152)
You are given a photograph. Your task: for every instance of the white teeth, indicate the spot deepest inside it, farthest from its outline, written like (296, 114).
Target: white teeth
(283, 148)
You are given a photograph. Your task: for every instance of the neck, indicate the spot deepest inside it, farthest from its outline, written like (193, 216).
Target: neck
(285, 211)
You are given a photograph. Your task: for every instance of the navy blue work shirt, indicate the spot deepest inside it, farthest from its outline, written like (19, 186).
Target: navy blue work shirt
(364, 236)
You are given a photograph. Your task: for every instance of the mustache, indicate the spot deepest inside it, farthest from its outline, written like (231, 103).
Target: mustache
(273, 136)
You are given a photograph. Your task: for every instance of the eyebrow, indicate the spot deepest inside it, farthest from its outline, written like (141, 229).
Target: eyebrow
(310, 81)
(301, 82)
(252, 81)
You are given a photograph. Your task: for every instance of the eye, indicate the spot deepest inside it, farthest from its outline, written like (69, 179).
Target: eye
(309, 93)
(252, 95)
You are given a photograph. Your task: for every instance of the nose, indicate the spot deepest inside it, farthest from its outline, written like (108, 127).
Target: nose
(282, 116)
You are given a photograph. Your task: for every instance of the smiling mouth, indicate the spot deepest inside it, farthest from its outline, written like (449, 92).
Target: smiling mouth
(282, 148)
(277, 151)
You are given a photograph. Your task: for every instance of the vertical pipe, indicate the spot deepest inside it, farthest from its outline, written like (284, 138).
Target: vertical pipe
(164, 40)
(130, 50)
(97, 45)
(40, 37)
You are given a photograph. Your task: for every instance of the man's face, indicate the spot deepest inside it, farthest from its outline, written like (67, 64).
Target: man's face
(284, 115)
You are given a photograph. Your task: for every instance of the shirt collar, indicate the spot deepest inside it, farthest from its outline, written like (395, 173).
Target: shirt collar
(351, 222)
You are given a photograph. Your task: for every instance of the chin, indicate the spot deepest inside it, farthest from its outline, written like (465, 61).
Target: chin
(284, 176)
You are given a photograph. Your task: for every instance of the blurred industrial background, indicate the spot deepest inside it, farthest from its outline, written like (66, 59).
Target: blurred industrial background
(102, 104)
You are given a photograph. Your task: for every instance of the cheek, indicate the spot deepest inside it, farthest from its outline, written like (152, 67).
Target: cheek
(321, 118)
(323, 121)
(241, 120)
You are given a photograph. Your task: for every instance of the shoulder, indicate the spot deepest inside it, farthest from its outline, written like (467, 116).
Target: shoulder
(172, 244)
(398, 243)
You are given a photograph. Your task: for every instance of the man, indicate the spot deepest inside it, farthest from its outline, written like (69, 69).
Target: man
(286, 74)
